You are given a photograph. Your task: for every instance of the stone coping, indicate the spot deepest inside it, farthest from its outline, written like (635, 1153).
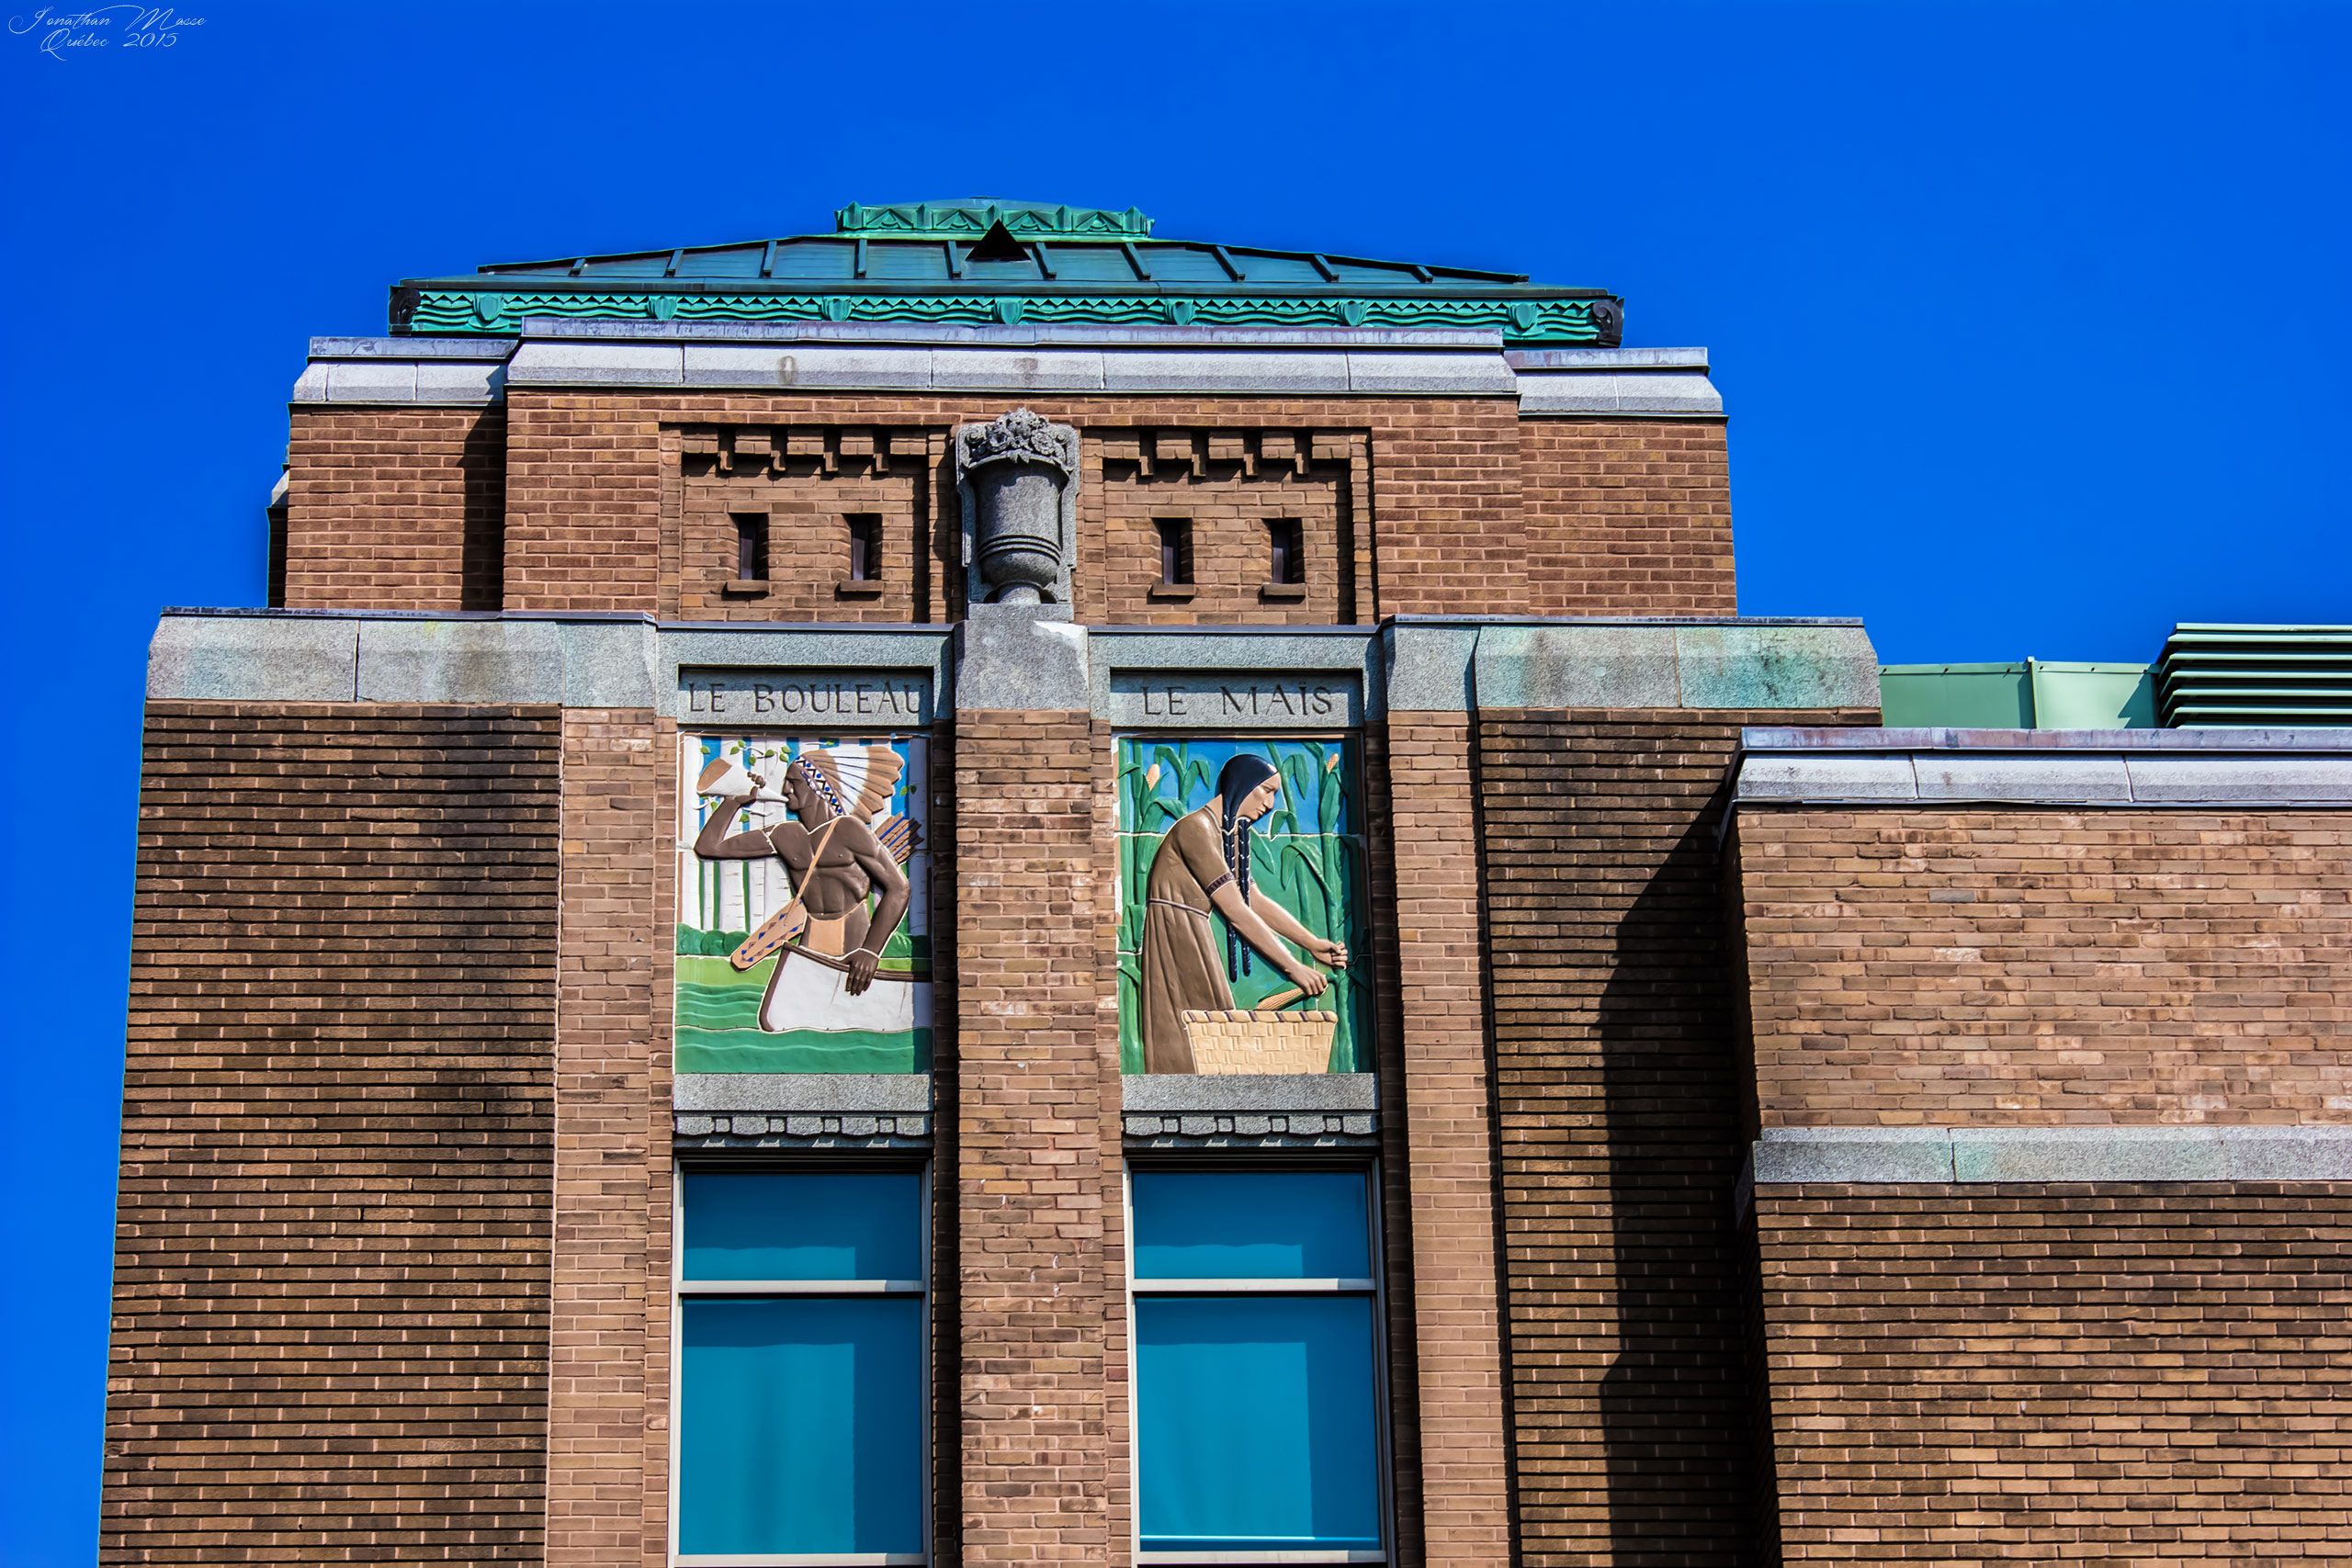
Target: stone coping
(490, 348)
(1014, 335)
(2108, 768)
(1468, 664)
(1007, 360)
(1821, 739)
(1000, 662)
(1290, 371)
(1959, 1155)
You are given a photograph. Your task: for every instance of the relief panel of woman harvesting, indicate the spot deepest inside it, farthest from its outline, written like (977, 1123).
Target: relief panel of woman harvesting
(1251, 893)
(820, 922)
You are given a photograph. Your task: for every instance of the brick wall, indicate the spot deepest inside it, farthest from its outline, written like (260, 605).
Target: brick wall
(1627, 517)
(2048, 1373)
(2043, 966)
(608, 1417)
(330, 1325)
(1227, 485)
(395, 509)
(587, 473)
(1463, 1479)
(1040, 1282)
(1469, 508)
(806, 483)
(1618, 1078)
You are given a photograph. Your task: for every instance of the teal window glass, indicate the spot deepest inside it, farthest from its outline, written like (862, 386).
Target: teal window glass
(865, 1224)
(1255, 1423)
(1251, 1224)
(801, 1366)
(1258, 1361)
(802, 1420)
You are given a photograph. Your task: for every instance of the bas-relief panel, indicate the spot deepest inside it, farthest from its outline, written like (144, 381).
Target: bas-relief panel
(1242, 900)
(804, 905)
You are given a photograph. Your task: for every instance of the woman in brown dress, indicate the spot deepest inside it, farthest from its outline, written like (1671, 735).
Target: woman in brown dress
(1203, 865)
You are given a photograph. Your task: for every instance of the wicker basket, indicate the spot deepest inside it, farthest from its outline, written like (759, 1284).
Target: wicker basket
(1260, 1041)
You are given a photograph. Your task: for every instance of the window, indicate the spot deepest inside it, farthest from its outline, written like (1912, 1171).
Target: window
(751, 547)
(1286, 560)
(864, 547)
(801, 1367)
(1175, 551)
(1258, 1387)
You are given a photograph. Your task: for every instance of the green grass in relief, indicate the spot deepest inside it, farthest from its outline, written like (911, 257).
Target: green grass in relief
(702, 1050)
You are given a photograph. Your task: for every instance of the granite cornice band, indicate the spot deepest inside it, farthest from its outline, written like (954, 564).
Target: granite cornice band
(1297, 677)
(515, 659)
(1124, 663)
(824, 366)
(858, 357)
(1960, 1155)
(2125, 768)
(1464, 664)
(408, 371)
(1615, 383)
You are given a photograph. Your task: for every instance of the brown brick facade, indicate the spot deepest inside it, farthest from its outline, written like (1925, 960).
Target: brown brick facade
(608, 1415)
(396, 1261)
(1627, 517)
(2032, 966)
(395, 509)
(578, 500)
(2059, 1374)
(801, 486)
(1227, 487)
(1465, 1484)
(1041, 1278)
(330, 1283)
(1617, 1076)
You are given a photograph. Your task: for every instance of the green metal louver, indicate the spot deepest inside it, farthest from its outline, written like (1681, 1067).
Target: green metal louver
(2271, 677)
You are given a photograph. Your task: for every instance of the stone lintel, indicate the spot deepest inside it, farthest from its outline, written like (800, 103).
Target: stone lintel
(752, 1131)
(1179, 1093)
(1249, 1110)
(785, 1094)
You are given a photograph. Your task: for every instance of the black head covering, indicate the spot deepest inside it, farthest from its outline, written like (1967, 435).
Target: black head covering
(1242, 775)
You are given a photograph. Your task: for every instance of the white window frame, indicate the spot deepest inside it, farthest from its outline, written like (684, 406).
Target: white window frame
(682, 1290)
(1374, 1289)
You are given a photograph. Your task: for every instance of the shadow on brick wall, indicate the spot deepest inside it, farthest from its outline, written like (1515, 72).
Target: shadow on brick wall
(1674, 1406)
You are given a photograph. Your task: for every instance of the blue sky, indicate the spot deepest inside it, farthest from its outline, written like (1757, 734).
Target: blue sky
(2029, 318)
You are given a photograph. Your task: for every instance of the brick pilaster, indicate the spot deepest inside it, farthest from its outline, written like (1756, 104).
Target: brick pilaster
(1466, 1514)
(607, 1393)
(1036, 1172)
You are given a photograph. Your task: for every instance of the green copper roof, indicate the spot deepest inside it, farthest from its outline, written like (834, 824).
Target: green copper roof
(986, 261)
(970, 220)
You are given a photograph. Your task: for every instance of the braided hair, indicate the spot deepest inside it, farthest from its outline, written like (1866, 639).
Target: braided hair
(1240, 779)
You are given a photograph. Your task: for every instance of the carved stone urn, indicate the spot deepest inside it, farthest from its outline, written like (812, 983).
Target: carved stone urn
(1017, 478)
